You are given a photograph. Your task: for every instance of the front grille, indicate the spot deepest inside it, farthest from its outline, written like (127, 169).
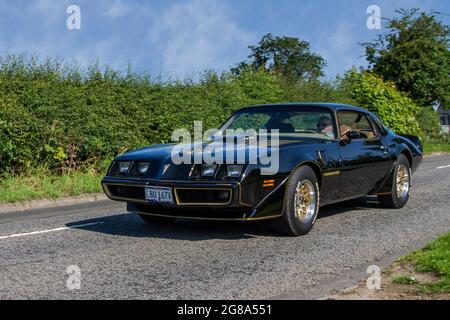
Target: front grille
(184, 196)
(128, 192)
(203, 196)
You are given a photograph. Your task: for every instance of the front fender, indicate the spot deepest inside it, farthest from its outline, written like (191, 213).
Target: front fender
(415, 141)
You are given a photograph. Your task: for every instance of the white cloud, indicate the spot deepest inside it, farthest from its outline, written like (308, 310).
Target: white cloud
(197, 35)
(338, 49)
(48, 9)
(342, 38)
(118, 9)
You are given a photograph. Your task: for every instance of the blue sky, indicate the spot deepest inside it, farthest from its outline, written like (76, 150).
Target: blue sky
(175, 39)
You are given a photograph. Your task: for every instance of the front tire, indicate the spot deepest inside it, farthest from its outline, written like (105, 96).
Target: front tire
(401, 185)
(301, 203)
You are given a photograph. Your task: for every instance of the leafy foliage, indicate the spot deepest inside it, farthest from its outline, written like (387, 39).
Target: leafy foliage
(65, 119)
(397, 111)
(288, 58)
(318, 91)
(415, 55)
(429, 123)
(62, 117)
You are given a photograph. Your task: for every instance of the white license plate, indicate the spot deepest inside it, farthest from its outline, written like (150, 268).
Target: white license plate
(159, 194)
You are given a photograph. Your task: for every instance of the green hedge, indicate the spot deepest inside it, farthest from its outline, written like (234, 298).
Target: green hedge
(397, 111)
(62, 117)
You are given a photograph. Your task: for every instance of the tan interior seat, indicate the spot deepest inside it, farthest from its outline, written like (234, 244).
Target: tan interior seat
(343, 129)
(369, 134)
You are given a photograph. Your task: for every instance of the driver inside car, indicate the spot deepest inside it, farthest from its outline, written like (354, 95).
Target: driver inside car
(325, 126)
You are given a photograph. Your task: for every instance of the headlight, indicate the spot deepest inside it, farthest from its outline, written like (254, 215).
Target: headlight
(234, 171)
(208, 170)
(142, 167)
(124, 166)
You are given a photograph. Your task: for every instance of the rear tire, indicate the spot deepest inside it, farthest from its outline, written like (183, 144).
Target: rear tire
(301, 203)
(401, 185)
(156, 219)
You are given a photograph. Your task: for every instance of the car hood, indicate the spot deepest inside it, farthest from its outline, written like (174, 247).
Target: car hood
(165, 150)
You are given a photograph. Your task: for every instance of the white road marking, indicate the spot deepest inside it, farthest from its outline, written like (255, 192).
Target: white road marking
(443, 167)
(49, 230)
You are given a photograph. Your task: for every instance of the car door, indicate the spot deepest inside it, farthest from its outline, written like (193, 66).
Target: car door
(365, 160)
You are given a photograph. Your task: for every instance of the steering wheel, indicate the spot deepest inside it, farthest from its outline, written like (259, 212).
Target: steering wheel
(363, 135)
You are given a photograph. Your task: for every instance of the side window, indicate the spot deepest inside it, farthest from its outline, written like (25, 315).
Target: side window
(354, 121)
(320, 122)
(378, 126)
(250, 121)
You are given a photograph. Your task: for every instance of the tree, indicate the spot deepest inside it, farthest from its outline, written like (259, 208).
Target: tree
(288, 58)
(414, 54)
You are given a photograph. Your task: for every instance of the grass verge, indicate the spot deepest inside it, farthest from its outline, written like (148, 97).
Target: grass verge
(436, 147)
(42, 185)
(421, 275)
(435, 259)
(404, 280)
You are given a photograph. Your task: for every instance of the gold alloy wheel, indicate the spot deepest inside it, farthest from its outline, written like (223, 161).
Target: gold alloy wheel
(403, 181)
(305, 201)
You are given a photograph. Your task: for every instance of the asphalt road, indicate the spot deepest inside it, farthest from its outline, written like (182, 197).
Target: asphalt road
(120, 256)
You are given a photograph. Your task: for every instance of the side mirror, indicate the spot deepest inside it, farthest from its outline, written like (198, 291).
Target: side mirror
(352, 135)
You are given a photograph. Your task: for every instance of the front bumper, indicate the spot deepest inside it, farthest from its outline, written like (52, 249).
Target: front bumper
(192, 200)
(194, 194)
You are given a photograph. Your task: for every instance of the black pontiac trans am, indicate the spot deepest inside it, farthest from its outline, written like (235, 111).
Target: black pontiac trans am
(327, 153)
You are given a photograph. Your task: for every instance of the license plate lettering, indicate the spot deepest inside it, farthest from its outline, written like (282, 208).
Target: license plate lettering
(160, 195)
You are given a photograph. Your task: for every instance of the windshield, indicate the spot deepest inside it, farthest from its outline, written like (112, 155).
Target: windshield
(312, 122)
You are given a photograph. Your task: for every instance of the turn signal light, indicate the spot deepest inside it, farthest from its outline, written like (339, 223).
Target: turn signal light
(268, 183)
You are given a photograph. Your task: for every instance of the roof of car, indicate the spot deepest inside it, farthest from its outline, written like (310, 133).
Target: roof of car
(334, 106)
